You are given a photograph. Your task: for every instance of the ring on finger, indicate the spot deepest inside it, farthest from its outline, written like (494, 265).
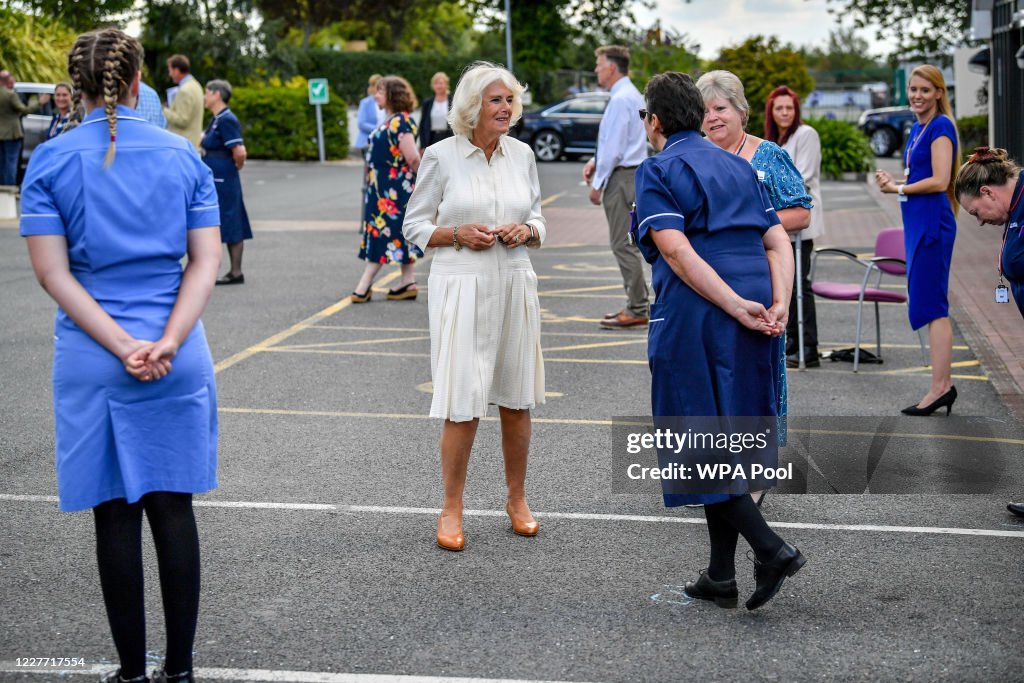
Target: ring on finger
(516, 239)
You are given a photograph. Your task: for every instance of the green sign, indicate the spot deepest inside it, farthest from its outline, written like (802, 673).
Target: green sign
(318, 91)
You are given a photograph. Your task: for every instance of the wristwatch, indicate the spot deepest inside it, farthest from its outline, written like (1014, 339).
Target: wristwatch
(899, 190)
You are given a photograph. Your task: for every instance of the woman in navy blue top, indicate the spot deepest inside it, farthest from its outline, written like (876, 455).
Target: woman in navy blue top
(224, 152)
(931, 160)
(990, 188)
(109, 210)
(722, 274)
(62, 100)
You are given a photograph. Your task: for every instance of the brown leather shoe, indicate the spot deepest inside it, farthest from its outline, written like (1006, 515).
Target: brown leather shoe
(616, 314)
(449, 532)
(524, 525)
(624, 319)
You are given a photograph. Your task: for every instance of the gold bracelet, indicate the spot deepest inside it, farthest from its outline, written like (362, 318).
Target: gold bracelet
(455, 239)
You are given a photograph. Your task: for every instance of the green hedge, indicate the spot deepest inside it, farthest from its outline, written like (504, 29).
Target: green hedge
(844, 149)
(348, 72)
(973, 133)
(279, 123)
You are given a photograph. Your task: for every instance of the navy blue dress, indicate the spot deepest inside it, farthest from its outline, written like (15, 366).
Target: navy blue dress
(1011, 259)
(223, 134)
(703, 362)
(929, 228)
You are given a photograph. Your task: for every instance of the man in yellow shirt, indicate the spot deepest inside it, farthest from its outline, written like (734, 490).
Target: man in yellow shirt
(185, 111)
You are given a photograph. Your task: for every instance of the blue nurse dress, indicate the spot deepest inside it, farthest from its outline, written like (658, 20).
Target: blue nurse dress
(929, 228)
(703, 362)
(222, 135)
(126, 228)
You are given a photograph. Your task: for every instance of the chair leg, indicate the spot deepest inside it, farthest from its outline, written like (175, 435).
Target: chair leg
(924, 350)
(878, 333)
(856, 345)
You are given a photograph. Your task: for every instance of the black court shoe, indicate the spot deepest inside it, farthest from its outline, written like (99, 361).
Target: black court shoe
(947, 400)
(722, 593)
(770, 575)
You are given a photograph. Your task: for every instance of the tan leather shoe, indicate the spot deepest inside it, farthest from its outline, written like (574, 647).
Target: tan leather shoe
(623, 320)
(524, 525)
(616, 314)
(449, 532)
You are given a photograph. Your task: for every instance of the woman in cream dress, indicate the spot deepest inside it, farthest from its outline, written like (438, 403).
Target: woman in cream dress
(477, 202)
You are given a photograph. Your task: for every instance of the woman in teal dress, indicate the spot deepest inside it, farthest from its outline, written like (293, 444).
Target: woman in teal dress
(931, 160)
(392, 160)
(725, 117)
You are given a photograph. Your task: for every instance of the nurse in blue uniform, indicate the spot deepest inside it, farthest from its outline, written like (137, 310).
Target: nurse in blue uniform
(224, 152)
(108, 211)
(990, 188)
(929, 225)
(722, 273)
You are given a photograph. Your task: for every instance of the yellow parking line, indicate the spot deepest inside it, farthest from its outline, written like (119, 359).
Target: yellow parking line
(599, 288)
(324, 345)
(609, 423)
(548, 200)
(394, 354)
(601, 345)
(270, 341)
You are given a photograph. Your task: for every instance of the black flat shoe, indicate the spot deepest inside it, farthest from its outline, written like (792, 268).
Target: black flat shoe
(947, 400)
(115, 677)
(811, 360)
(230, 279)
(403, 293)
(722, 593)
(770, 575)
(1016, 508)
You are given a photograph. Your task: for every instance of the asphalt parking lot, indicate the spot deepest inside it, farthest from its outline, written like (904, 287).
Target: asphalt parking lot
(318, 548)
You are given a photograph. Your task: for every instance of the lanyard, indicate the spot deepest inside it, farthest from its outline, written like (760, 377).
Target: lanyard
(743, 142)
(913, 145)
(1006, 230)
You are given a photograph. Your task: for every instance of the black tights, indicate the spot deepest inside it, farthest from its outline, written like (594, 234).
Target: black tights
(726, 522)
(119, 554)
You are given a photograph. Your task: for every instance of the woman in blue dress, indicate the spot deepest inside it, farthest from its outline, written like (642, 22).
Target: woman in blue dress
(929, 208)
(725, 118)
(108, 212)
(391, 164)
(224, 152)
(722, 273)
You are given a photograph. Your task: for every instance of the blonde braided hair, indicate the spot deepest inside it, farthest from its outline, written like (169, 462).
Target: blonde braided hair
(102, 65)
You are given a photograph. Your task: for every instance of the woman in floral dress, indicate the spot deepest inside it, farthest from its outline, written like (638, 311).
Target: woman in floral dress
(392, 161)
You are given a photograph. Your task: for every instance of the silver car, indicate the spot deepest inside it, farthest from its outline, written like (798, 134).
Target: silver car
(35, 125)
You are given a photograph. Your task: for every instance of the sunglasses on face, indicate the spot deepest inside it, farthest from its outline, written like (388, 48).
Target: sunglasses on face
(643, 114)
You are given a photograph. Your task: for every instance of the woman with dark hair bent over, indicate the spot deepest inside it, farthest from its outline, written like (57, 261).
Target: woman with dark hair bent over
(722, 273)
(108, 211)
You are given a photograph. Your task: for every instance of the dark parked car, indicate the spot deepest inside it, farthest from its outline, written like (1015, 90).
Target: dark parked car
(35, 125)
(568, 128)
(886, 128)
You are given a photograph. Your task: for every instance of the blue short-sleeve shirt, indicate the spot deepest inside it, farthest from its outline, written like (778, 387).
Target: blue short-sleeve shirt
(693, 185)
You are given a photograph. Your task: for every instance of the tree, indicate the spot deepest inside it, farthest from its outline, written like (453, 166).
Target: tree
(921, 28)
(33, 48)
(762, 64)
(79, 15)
(308, 15)
(844, 59)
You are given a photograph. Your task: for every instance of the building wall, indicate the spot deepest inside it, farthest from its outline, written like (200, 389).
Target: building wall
(966, 84)
(1007, 81)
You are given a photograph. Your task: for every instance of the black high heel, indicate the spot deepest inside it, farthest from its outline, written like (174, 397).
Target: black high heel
(947, 399)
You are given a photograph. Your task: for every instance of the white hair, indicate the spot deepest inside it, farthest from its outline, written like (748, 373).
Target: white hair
(727, 85)
(468, 98)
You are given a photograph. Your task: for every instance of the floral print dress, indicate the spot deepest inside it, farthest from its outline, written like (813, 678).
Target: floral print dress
(389, 184)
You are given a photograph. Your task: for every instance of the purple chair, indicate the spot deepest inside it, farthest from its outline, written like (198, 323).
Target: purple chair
(889, 259)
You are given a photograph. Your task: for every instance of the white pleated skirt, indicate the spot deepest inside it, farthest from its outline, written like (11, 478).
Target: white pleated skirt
(484, 333)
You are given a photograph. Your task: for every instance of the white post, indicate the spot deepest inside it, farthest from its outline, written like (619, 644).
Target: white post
(800, 301)
(320, 133)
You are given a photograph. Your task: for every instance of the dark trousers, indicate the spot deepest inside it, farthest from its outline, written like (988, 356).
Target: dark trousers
(810, 318)
(10, 155)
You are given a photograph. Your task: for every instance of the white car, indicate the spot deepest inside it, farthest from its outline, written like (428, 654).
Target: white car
(36, 125)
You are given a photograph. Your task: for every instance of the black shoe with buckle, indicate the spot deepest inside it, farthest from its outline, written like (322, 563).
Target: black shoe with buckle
(811, 359)
(770, 575)
(722, 593)
(161, 676)
(116, 677)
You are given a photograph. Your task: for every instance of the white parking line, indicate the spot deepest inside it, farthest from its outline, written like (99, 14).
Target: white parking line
(579, 516)
(270, 675)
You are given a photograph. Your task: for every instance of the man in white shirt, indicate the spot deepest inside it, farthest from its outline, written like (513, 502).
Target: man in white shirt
(621, 147)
